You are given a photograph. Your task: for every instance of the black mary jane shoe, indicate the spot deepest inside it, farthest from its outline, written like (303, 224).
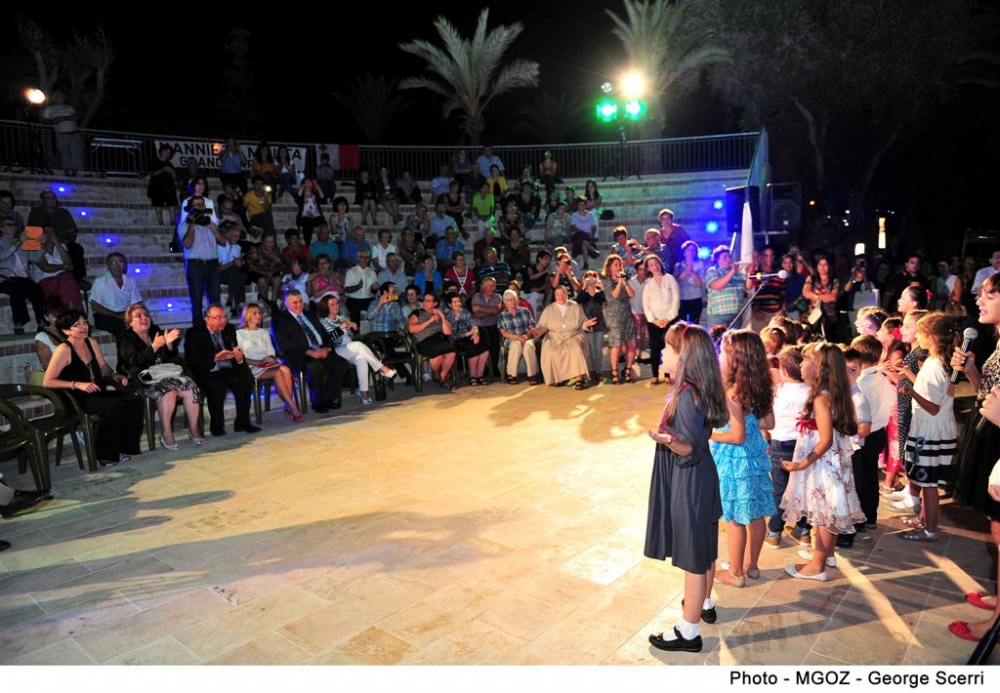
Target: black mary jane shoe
(678, 644)
(707, 615)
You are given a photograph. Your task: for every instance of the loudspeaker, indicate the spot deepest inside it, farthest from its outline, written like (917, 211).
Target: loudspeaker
(784, 206)
(735, 197)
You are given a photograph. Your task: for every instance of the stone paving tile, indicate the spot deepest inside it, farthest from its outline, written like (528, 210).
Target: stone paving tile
(379, 536)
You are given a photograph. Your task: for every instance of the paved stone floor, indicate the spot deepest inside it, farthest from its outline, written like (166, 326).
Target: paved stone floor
(499, 525)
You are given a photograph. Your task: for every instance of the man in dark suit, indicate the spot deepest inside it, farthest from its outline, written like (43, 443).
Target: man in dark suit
(305, 345)
(218, 364)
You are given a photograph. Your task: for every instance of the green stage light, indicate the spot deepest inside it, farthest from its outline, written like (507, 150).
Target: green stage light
(607, 110)
(634, 110)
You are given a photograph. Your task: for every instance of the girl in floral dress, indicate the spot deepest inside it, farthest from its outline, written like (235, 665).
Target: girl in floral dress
(821, 482)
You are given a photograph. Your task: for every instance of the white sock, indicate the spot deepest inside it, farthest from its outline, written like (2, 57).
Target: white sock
(688, 630)
(708, 604)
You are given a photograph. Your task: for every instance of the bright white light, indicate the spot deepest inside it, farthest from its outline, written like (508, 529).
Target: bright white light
(607, 88)
(859, 249)
(35, 96)
(633, 85)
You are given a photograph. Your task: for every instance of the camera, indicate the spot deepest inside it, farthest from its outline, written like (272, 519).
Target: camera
(199, 217)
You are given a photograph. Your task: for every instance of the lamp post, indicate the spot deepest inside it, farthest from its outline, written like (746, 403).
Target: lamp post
(34, 99)
(622, 108)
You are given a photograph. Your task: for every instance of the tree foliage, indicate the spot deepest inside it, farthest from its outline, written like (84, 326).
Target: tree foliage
(667, 48)
(374, 102)
(850, 78)
(470, 73)
(237, 93)
(83, 64)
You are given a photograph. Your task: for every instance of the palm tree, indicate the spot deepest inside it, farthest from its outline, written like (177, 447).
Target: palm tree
(668, 51)
(549, 117)
(373, 101)
(470, 72)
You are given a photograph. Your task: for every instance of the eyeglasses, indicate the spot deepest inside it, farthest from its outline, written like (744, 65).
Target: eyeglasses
(216, 317)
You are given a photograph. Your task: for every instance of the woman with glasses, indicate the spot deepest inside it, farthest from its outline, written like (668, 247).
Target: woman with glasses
(431, 329)
(79, 366)
(144, 344)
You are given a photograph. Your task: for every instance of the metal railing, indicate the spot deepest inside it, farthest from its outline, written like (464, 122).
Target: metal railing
(29, 147)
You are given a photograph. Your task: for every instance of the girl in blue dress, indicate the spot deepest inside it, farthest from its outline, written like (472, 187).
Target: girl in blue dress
(740, 453)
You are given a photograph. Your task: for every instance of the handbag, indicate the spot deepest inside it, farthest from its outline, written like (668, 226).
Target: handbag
(814, 315)
(158, 372)
(378, 384)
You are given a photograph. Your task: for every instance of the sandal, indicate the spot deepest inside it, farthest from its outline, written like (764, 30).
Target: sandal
(920, 535)
(511, 380)
(579, 385)
(628, 375)
(473, 382)
(738, 580)
(914, 522)
(614, 377)
(532, 381)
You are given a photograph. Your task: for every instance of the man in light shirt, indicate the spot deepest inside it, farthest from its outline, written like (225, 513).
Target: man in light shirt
(112, 294)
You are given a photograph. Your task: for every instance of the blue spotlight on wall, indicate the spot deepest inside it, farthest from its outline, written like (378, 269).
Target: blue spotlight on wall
(137, 270)
(704, 252)
(712, 226)
(718, 204)
(84, 213)
(110, 240)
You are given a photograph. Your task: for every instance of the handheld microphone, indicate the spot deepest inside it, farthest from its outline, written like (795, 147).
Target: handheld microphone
(969, 336)
(780, 275)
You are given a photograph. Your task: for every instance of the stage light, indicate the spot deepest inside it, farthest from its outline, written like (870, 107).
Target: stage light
(35, 97)
(109, 240)
(633, 85)
(137, 270)
(170, 306)
(812, 203)
(61, 188)
(607, 88)
(635, 109)
(712, 226)
(607, 110)
(83, 212)
(704, 252)
(718, 204)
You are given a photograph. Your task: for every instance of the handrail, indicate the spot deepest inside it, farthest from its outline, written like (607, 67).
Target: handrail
(29, 146)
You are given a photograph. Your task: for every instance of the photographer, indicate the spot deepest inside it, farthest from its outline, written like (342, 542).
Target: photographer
(858, 293)
(200, 241)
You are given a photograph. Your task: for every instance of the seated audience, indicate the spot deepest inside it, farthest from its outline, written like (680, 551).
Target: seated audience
(306, 346)
(430, 330)
(563, 357)
(258, 350)
(112, 294)
(517, 327)
(218, 364)
(346, 342)
(468, 341)
(144, 344)
(78, 365)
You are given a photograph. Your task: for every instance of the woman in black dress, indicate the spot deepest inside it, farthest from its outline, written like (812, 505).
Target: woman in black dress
(684, 500)
(79, 366)
(162, 188)
(977, 453)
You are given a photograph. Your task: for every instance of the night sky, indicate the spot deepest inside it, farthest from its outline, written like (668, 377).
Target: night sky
(167, 72)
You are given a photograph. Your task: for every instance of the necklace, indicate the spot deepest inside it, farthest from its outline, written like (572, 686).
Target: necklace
(86, 362)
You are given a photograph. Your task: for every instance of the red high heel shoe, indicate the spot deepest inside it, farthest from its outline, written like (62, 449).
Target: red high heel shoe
(288, 413)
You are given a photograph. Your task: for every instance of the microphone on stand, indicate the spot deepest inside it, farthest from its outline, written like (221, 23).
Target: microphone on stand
(780, 275)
